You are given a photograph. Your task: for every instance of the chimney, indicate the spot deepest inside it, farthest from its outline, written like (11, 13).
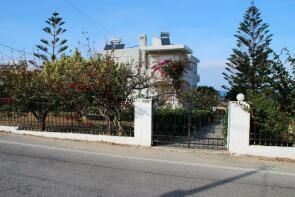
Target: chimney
(156, 42)
(142, 40)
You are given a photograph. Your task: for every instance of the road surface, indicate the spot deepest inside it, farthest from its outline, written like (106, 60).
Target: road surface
(31, 166)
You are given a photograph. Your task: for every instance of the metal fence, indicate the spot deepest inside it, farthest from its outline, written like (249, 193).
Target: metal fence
(63, 119)
(284, 137)
(197, 129)
(194, 142)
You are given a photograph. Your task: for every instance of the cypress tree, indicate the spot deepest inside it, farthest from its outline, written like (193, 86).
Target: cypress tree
(248, 65)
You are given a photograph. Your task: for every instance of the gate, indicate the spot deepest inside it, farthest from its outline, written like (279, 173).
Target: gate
(189, 129)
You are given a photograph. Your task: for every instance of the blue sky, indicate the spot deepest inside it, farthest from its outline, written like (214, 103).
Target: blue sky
(206, 26)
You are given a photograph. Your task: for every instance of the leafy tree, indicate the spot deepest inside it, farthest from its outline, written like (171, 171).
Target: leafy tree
(97, 84)
(29, 92)
(291, 60)
(248, 66)
(6, 75)
(273, 108)
(172, 71)
(66, 76)
(49, 49)
(267, 118)
(282, 82)
(203, 97)
(171, 83)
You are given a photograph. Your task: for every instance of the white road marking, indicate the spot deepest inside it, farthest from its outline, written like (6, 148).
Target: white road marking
(148, 159)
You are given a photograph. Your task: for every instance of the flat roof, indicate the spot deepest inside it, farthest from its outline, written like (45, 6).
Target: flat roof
(173, 47)
(194, 59)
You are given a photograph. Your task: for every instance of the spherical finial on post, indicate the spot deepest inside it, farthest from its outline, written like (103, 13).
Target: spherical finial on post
(240, 97)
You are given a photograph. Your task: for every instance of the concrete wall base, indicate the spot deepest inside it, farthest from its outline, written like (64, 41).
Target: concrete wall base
(73, 136)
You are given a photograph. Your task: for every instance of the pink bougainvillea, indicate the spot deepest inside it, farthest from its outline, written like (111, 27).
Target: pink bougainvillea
(172, 70)
(160, 67)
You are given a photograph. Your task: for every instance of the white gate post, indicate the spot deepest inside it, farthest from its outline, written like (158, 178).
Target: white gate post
(238, 127)
(143, 122)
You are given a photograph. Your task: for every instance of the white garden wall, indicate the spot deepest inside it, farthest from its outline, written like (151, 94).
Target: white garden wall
(239, 134)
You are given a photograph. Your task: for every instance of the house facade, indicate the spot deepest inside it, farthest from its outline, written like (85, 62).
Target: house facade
(160, 49)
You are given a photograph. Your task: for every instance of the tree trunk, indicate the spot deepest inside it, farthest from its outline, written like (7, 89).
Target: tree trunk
(41, 118)
(118, 125)
(107, 119)
(42, 122)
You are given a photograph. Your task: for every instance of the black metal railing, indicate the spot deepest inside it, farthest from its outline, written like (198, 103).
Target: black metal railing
(195, 129)
(283, 137)
(63, 119)
(190, 142)
(178, 123)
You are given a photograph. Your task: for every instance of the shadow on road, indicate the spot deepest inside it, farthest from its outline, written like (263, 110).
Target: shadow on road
(209, 186)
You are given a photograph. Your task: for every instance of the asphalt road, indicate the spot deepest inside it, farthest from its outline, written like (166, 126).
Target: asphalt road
(41, 167)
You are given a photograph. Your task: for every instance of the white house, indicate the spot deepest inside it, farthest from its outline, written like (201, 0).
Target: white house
(149, 55)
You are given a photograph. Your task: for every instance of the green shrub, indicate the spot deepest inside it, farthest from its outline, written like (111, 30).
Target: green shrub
(267, 119)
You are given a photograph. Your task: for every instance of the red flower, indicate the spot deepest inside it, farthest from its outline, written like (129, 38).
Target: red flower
(72, 85)
(161, 67)
(174, 67)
